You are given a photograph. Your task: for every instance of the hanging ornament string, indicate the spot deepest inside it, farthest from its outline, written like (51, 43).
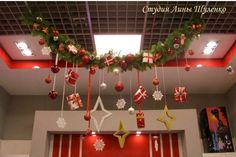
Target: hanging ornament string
(130, 92)
(164, 85)
(120, 80)
(138, 84)
(63, 92)
(55, 76)
(138, 79)
(155, 69)
(99, 82)
(178, 72)
(76, 71)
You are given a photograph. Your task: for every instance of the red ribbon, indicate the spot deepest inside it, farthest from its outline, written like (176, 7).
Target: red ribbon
(88, 97)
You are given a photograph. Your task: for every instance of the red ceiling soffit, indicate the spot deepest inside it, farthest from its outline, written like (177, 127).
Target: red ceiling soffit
(28, 64)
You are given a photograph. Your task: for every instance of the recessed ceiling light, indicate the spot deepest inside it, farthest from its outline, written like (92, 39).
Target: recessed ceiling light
(120, 44)
(199, 65)
(138, 133)
(210, 48)
(93, 133)
(21, 45)
(27, 52)
(36, 67)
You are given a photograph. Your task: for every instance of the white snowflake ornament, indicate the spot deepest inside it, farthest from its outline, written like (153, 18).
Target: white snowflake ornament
(121, 103)
(157, 95)
(46, 50)
(99, 145)
(61, 123)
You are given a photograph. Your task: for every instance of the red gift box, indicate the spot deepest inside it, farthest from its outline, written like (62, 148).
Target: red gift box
(180, 94)
(71, 77)
(140, 119)
(140, 95)
(74, 101)
(147, 57)
(109, 60)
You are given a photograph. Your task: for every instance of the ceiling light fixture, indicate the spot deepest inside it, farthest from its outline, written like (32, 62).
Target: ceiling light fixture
(36, 67)
(210, 48)
(120, 44)
(199, 65)
(138, 133)
(23, 47)
(93, 133)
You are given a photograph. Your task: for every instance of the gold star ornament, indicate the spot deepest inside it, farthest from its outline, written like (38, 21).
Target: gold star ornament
(167, 118)
(121, 134)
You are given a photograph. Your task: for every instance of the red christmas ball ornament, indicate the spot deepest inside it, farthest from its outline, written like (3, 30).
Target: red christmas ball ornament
(187, 67)
(55, 69)
(155, 81)
(193, 26)
(129, 58)
(52, 94)
(55, 33)
(85, 59)
(123, 65)
(119, 86)
(41, 41)
(61, 47)
(170, 51)
(190, 52)
(48, 79)
(198, 26)
(82, 52)
(92, 70)
(87, 116)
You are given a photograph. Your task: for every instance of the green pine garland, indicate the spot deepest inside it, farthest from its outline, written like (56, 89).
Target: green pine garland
(190, 30)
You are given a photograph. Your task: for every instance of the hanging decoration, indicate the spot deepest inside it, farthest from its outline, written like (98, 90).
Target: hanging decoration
(140, 119)
(61, 123)
(48, 79)
(71, 77)
(54, 68)
(180, 93)
(53, 94)
(103, 85)
(157, 94)
(121, 103)
(119, 86)
(97, 124)
(140, 95)
(99, 145)
(87, 115)
(72, 52)
(167, 118)
(74, 101)
(131, 110)
(121, 134)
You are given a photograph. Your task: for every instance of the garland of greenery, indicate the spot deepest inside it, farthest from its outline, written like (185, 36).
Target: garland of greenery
(162, 52)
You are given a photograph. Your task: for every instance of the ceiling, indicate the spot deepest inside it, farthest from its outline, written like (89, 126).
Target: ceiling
(81, 20)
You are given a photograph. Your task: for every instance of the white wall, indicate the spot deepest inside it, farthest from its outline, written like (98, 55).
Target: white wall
(16, 148)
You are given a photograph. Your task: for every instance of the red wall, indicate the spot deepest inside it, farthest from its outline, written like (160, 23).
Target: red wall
(135, 146)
